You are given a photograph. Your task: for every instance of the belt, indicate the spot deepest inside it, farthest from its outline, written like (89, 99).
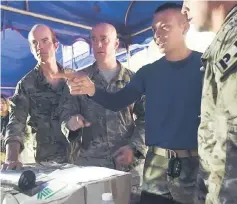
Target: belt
(168, 153)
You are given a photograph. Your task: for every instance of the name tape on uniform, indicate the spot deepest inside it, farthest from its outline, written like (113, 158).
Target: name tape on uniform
(229, 59)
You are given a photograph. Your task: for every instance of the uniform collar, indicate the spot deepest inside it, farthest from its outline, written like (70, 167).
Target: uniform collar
(93, 71)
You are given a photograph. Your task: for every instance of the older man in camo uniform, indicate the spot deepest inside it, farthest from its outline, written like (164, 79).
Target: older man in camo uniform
(109, 139)
(36, 102)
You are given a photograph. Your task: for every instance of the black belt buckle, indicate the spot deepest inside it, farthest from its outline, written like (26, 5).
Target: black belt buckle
(174, 165)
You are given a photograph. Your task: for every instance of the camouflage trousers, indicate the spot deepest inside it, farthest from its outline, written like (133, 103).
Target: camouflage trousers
(217, 176)
(156, 180)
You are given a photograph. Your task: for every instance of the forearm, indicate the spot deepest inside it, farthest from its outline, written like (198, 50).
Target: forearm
(69, 106)
(12, 150)
(116, 101)
(15, 132)
(138, 139)
(206, 139)
(19, 111)
(65, 130)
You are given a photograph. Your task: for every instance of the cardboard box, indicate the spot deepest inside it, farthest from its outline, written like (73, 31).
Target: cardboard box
(75, 185)
(119, 186)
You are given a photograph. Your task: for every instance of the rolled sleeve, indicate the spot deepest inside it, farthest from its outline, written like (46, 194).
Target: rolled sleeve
(138, 136)
(69, 106)
(19, 109)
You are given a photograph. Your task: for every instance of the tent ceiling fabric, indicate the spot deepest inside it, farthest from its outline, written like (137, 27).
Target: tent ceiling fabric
(138, 17)
(129, 17)
(16, 58)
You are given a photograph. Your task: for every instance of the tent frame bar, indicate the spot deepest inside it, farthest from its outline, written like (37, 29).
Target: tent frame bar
(57, 20)
(141, 31)
(5, 87)
(44, 17)
(27, 5)
(127, 12)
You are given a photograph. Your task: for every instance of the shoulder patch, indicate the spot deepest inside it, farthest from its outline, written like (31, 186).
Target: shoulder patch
(227, 62)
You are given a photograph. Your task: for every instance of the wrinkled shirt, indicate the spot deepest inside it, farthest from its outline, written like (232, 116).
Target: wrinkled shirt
(36, 102)
(109, 130)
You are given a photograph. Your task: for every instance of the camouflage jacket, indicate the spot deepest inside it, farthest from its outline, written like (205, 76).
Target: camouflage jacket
(109, 130)
(219, 99)
(36, 102)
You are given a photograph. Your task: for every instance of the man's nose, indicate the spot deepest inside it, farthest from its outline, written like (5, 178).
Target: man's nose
(39, 46)
(185, 8)
(157, 34)
(99, 44)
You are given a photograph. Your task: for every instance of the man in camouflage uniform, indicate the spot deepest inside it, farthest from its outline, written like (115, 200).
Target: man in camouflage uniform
(173, 86)
(217, 179)
(36, 101)
(109, 139)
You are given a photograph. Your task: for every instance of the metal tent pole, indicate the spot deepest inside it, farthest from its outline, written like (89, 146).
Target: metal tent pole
(40, 16)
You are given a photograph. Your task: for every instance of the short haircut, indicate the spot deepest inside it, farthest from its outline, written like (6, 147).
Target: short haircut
(53, 34)
(168, 6)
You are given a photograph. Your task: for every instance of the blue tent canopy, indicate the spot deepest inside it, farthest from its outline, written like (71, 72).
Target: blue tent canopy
(16, 59)
(72, 21)
(129, 17)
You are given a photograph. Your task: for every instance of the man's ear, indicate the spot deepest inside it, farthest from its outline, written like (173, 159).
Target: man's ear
(116, 43)
(186, 27)
(30, 48)
(56, 45)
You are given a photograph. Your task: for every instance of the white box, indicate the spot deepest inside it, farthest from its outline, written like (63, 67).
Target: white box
(76, 185)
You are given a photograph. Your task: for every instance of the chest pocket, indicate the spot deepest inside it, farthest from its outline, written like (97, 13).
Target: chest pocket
(90, 109)
(43, 103)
